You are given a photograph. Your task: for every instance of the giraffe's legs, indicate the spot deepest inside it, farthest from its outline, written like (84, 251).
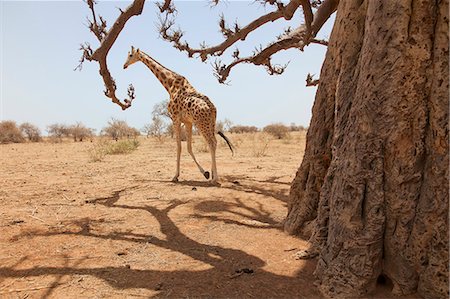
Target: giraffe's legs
(215, 175)
(189, 148)
(177, 128)
(210, 138)
(212, 147)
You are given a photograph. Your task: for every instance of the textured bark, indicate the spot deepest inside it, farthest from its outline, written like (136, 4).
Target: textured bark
(372, 190)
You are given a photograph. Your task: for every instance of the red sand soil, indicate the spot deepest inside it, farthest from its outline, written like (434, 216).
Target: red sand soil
(71, 228)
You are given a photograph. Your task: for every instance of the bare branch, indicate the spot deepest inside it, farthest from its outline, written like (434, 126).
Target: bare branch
(319, 41)
(87, 54)
(99, 29)
(107, 40)
(298, 38)
(232, 35)
(307, 12)
(263, 56)
(166, 7)
(310, 81)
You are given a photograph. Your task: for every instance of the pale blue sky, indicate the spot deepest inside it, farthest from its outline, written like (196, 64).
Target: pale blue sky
(39, 50)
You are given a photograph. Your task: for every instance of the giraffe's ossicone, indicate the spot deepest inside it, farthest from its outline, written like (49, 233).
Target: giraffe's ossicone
(186, 106)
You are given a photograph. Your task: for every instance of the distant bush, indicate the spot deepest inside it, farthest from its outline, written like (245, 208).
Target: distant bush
(31, 132)
(79, 132)
(294, 128)
(243, 129)
(279, 131)
(10, 133)
(57, 131)
(118, 129)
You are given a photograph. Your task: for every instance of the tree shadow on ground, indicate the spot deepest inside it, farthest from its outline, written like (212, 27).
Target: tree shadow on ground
(219, 280)
(239, 185)
(247, 216)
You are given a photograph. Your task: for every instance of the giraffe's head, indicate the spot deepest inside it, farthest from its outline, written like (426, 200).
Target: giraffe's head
(132, 57)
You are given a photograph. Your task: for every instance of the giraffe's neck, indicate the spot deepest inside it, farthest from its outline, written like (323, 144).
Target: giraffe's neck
(167, 77)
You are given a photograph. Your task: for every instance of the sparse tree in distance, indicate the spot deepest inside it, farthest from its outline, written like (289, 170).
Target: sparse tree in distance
(156, 128)
(147, 129)
(220, 125)
(31, 132)
(227, 124)
(10, 133)
(79, 132)
(57, 131)
(224, 125)
(371, 192)
(117, 129)
(161, 110)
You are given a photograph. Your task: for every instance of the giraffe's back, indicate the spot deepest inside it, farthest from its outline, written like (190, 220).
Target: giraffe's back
(194, 107)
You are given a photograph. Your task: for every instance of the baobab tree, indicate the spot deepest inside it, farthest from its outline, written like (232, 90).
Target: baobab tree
(371, 192)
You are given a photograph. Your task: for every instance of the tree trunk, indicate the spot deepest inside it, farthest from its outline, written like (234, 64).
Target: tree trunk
(372, 190)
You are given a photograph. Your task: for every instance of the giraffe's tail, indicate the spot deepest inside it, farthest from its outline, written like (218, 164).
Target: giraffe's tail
(230, 145)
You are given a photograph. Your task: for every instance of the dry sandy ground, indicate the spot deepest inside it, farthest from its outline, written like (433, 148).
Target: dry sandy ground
(71, 228)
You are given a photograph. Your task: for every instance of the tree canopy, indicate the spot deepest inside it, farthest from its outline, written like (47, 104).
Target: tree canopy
(315, 14)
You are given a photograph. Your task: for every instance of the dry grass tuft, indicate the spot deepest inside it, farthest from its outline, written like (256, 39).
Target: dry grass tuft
(105, 147)
(260, 144)
(122, 147)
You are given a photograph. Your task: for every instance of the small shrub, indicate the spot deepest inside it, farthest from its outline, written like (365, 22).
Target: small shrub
(122, 147)
(31, 132)
(279, 131)
(105, 147)
(10, 133)
(238, 140)
(260, 144)
(98, 150)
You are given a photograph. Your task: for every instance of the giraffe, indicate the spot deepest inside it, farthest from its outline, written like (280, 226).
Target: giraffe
(186, 106)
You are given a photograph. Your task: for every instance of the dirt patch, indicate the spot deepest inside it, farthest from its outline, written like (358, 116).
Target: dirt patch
(120, 228)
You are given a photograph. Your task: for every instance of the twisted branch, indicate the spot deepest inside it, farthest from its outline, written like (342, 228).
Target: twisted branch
(107, 39)
(298, 38)
(231, 35)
